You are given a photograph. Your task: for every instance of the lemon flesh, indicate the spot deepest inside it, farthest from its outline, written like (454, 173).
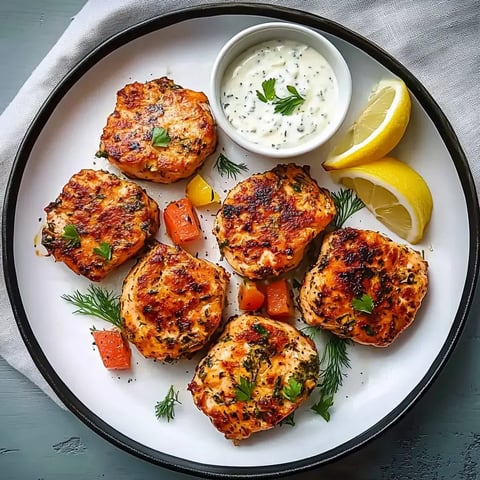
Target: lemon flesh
(377, 130)
(396, 194)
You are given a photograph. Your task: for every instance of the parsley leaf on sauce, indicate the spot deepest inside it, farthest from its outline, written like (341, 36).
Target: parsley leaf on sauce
(285, 105)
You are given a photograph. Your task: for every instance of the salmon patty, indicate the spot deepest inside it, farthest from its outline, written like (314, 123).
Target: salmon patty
(172, 302)
(364, 287)
(267, 221)
(159, 131)
(98, 222)
(258, 372)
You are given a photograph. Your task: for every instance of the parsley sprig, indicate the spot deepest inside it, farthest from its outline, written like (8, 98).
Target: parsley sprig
(160, 137)
(288, 420)
(71, 235)
(285, 105)
(227, 168)
(363, 304)
(346, 204)
(97, 302)
(292, 390)
(260, 329)
(244, 389)
(166, 408)
(333, 362)
(104, 250)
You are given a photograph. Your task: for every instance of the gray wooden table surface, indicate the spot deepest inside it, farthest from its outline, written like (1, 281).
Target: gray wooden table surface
(439, 438)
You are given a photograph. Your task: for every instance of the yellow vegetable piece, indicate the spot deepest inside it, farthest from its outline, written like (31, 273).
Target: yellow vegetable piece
(200, 193)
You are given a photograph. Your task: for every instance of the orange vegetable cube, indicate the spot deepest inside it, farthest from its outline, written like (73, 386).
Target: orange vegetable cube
(250, 297)
(114, 349)
(279, 299)
(181, 221)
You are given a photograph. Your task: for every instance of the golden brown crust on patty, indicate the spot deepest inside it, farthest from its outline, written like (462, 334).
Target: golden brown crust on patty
(267, 221)
(102, 208)
(267, 353)
(184, 114)
(356, 262)
(172, 302)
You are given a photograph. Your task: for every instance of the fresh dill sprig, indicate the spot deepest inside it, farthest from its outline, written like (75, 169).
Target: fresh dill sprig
(228, 168)
(332, 364)
(311, 332)
(166, 408)
(335, 358)
(346, 203)
(97, 302)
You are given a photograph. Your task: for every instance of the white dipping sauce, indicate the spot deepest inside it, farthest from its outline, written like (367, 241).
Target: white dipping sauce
(289, 63)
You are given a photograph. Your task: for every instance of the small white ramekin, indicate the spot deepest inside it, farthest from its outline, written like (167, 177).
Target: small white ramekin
(281, 31)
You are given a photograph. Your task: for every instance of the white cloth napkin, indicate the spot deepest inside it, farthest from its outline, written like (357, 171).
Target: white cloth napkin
(438, 41)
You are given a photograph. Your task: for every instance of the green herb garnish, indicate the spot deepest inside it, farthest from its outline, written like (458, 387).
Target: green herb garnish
(346, 204)
(243, 391)
(288, 420)
(292, 390)
(166, 408)
(311, 332)
(260, 329)
(268, 87)
(101, 154)
(323, 405)
(71, 235)
(228, 168)
(160, 137)
(285, 105)
(363, 304)
(333, 361)
(104, 250)
(97, 302)
(368, 329)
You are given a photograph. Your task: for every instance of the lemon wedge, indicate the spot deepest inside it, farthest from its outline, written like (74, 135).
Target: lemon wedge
(395, 193)
(377, 130)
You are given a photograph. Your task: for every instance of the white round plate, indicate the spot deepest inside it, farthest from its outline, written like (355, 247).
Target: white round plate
(381, 384)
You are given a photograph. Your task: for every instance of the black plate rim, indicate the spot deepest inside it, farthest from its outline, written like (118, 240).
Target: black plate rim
(9, 210)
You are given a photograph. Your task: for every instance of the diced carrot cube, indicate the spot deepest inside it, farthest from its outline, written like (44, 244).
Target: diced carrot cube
(181, 221)
(279, 301)
(114, 349)
(250, 297)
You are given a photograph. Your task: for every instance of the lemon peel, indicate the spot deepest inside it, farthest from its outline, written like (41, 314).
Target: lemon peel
(394, 192)
(377, 130)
